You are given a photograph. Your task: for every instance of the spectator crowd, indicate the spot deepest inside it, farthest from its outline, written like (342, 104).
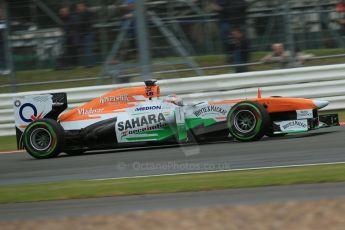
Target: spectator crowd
(79, 36)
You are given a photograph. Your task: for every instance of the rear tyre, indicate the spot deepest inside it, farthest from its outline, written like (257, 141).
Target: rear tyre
(248, 121)
(44, 139)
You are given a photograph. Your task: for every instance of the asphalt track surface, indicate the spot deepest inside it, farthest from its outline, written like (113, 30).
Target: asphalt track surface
(321, 146)
(113, 205)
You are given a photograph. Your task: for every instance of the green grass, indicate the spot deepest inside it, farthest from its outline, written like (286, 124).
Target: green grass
(171, 184)
(8, 143)
(51, 75)
(342, 115)
(208, 60)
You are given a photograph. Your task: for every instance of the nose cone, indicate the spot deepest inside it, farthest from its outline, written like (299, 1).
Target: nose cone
(320, 104)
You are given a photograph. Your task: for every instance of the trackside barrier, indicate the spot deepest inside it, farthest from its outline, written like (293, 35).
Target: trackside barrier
(322, 82)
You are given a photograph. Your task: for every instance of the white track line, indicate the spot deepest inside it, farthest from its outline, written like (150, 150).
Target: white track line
(219, 171)
(10, 152)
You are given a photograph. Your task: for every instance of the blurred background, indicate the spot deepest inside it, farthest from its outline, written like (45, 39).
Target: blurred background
(46, 44)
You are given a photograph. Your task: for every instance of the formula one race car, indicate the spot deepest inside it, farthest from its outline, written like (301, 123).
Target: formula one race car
(138, 115)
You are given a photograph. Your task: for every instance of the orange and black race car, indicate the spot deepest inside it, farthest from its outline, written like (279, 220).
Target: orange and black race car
(139, 115)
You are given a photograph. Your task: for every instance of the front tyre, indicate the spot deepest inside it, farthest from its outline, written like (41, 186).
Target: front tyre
(248, 121)
(44, 139)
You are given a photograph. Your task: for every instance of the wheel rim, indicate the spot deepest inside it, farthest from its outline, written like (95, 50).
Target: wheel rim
(40, 139)
(245, 121)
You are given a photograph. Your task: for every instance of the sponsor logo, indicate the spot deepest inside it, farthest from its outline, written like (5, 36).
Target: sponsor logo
(111, 99)
(300, 124)
(305, 113)
(149, 92)
(210, 109)
(27, 117)
(89, 111)
(124, 134)
(42, 98)
(17, 103)
(149, 108)
(144, 129)
(302, 114)
(138, 122)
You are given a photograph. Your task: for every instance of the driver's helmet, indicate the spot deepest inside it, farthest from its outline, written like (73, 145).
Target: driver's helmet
(173, 98)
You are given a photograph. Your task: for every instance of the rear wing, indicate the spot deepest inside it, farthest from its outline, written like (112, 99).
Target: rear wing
(34, 107)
